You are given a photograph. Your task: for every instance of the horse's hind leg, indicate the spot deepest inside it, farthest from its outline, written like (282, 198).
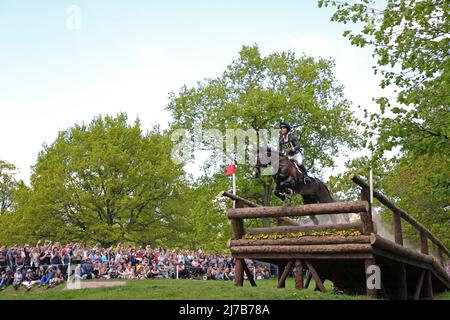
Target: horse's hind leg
(334, 219)
(310, 200)
(314, 220)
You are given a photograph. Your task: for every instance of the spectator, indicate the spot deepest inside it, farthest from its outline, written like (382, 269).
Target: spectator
(44, 258)
(2, 258)
(88, 269)
(17, 278)
(45, 279)
(34, 258)
(57, 279)
(55, 259)
(79, 273)
(31, 279)
(43, 263)
(7, 278)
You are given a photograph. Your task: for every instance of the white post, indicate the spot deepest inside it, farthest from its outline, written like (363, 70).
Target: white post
(234, 180)
(177, 271)
(371, 191)
(254, 272)
(68, 272)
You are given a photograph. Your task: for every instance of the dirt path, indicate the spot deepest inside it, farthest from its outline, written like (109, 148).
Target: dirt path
(94, 284)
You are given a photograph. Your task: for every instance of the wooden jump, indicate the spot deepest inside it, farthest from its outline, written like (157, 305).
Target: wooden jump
(343, 260)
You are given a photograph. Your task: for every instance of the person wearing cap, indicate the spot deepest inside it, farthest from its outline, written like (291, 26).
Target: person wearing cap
(290, 146)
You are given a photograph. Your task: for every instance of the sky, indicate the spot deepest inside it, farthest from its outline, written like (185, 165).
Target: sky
(66, 62)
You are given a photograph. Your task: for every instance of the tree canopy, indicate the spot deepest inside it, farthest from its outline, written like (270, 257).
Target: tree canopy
(411, 42)
(103, 182)
(256, 92)
(7, 186)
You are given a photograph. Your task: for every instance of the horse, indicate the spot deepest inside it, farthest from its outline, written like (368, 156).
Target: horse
(291, 181)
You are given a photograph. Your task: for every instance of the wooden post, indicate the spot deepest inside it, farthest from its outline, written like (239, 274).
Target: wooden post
(316, 277)
(423, 242)
(402, 283)
(237, 228)
(239, 272)
(282, 279)
(298, 274)
(428, 282)
(398, 228)
(237, 225)
(365, 216)
(385, 201)
(370, 292)
(280, 267)
(267, 196)
(419, 286)
(308, 279)
(441, 257)
(249, 275)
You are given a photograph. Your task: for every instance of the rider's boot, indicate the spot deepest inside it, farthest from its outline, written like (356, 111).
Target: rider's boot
(307, 179)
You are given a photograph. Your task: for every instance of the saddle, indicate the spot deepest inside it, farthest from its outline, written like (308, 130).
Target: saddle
(306, 178)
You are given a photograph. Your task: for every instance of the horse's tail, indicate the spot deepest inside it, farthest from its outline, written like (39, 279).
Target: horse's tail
(327, 190)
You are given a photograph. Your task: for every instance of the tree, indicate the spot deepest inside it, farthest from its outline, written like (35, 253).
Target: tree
(7, 186)
(104, 182)
(421, 186)
(203, 224)
(255, 92)
(410, 39)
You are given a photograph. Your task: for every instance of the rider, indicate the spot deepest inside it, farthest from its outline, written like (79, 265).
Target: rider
(290, 146)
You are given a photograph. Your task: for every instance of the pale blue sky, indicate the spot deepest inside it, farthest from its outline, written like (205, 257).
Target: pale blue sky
(128, 55)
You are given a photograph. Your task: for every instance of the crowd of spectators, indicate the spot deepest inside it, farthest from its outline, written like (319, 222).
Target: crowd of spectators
(48, 264)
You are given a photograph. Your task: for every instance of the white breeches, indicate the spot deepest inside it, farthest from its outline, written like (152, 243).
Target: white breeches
(297, 157)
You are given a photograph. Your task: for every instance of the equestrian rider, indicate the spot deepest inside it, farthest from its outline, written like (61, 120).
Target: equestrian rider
(290, 146)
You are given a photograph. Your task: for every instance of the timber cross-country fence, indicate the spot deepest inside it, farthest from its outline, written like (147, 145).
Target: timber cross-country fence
(342, 259)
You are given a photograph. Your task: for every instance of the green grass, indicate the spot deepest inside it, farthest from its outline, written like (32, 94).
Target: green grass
(180, 290)
(184, 290)
(442, 296)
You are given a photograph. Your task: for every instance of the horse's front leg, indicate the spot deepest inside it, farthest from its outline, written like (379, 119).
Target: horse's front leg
(279, 192)
(287, 187)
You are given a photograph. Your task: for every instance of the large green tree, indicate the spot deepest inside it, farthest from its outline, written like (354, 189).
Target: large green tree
(203, 224)
(8, 185)
(411, 42)
(104, 182)
(255, 92)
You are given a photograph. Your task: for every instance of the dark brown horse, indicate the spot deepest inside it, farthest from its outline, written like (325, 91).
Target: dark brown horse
(290, 181)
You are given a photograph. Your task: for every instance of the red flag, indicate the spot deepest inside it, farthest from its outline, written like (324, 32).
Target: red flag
(230, 170)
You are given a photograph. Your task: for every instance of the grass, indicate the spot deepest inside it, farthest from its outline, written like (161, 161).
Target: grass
(442, 296)
(169, 289)
(184, 290)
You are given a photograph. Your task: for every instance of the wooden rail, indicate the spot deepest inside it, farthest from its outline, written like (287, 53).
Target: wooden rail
(318, 253)
(397, 252)
(398, 214)
(245, 202)
(304, 210)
